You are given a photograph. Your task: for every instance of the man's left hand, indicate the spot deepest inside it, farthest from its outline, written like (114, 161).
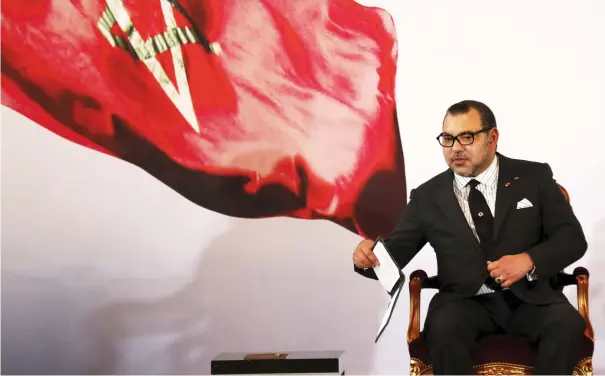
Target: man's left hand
(509, 269)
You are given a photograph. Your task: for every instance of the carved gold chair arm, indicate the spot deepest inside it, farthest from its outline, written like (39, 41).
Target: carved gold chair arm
(582, 275)
(414, 325)
(418, 281)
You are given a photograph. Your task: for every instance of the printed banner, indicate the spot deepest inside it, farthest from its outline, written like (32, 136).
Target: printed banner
(255, 108)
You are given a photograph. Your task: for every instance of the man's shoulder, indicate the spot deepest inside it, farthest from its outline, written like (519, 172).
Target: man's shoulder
(520, 165)
(529, 166)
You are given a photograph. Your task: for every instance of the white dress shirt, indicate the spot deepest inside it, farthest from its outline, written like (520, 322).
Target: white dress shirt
(488, 186)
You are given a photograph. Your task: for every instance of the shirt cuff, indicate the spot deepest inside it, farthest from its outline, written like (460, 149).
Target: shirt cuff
(532, 276)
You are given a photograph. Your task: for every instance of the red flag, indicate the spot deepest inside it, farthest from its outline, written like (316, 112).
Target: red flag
(253, 108)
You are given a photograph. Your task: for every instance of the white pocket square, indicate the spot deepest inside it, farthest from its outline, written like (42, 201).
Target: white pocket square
(525, 203)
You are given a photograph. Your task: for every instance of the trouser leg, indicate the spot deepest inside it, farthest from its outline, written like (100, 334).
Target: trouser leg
(557, 329)
(451, 331)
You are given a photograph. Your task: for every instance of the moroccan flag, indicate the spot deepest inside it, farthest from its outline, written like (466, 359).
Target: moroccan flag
(249, 108)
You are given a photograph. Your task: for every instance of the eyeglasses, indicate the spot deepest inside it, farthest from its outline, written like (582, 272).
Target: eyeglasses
(464, 138)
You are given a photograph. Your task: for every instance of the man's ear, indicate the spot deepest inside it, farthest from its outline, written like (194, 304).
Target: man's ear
(494, 135)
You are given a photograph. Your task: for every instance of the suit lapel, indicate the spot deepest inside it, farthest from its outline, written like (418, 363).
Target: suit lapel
(507, 183)
(448, 203)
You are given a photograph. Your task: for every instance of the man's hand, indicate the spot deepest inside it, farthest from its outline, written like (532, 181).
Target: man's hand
(509, 269)
(363, 257)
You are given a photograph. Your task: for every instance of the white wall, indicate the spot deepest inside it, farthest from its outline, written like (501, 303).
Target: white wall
(106, 270)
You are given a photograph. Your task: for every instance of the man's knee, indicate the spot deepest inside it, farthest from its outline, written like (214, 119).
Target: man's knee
(450, 322)
(567, 321)
(442, 327)
(575, 324)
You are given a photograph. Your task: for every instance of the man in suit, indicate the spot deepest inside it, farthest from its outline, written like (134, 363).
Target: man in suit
(500, 228)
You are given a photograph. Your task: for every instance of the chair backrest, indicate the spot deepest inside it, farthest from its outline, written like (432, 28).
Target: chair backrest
(564, 191)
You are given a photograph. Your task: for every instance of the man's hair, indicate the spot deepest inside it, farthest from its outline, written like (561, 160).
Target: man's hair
(488, 120)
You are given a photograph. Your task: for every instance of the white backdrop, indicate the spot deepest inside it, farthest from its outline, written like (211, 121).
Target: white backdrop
(107, 270)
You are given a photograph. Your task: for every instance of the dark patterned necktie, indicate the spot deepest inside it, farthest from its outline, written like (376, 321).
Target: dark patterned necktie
(484, 223)
(482, 215)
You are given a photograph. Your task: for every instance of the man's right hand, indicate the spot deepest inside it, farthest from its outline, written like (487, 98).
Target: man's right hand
(363, 257)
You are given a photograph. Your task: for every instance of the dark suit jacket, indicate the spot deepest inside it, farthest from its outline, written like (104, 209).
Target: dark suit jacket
(549, 232)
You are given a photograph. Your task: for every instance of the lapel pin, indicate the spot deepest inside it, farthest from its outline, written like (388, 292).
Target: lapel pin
(507, 184)
(516, 177)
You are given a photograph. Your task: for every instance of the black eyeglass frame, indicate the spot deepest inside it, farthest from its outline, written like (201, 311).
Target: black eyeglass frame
(455, 138)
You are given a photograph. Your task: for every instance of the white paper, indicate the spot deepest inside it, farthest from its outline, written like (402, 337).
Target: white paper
(389, 312)
(387, 272)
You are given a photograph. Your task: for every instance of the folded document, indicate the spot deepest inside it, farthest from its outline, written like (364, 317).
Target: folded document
(390, 276)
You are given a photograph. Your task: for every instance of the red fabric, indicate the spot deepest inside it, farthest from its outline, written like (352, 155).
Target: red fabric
(498, 348)
(295, 116)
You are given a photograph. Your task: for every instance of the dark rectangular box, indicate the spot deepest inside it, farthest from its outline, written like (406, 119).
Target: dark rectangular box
(309, 362)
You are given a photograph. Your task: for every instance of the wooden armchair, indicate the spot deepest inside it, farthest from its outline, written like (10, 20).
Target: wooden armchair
(490, 359)
(498, 354)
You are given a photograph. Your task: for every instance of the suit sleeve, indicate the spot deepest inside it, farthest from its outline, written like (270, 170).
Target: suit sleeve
(406, 240)
(565, 242)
